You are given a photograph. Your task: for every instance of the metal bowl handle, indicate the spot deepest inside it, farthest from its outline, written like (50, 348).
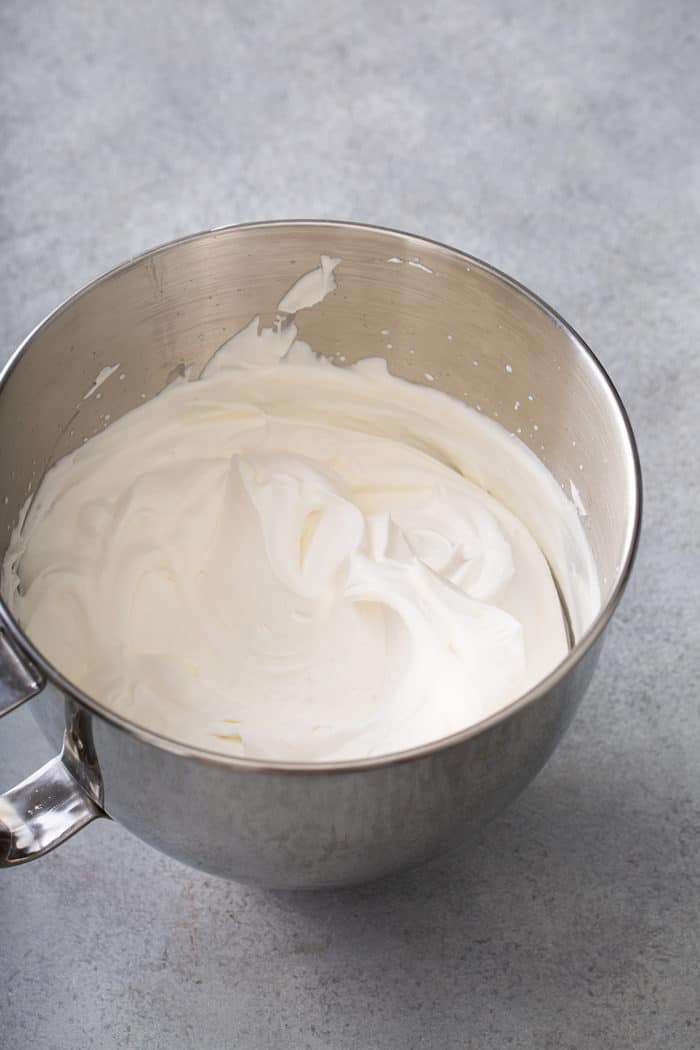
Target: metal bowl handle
(50, 805)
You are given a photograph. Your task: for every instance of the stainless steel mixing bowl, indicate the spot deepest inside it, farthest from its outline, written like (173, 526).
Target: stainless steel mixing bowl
(283, 824)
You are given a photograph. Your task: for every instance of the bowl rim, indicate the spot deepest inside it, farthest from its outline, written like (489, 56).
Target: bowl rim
(540, 689)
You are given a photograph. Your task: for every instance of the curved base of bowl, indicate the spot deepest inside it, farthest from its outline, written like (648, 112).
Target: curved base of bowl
(329, 830)
(311, 829)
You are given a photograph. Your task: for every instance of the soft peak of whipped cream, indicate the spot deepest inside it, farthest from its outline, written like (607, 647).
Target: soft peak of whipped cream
(276, 561)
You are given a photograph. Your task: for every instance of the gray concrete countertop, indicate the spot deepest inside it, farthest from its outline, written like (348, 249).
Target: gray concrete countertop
(562, 146)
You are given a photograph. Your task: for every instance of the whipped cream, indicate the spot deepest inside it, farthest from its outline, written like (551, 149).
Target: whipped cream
(290, 560)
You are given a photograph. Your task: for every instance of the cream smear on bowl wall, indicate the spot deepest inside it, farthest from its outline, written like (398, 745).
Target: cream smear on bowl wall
(290, 560)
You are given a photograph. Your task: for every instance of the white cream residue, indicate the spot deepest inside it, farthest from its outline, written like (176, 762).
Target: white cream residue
(290, 560)
(101, 377)
(311, 288)
(576, 499)
(418, 265)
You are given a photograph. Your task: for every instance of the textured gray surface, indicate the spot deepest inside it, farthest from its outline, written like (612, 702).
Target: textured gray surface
(563, 148)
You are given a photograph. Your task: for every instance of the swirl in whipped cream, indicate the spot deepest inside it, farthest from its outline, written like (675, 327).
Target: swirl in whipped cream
(285, 559)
